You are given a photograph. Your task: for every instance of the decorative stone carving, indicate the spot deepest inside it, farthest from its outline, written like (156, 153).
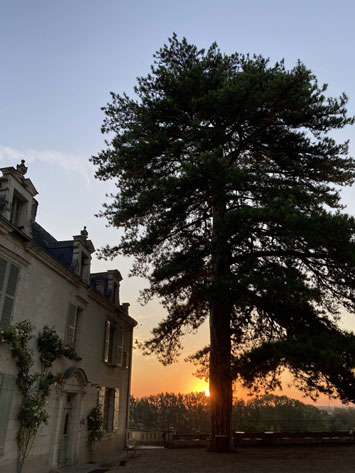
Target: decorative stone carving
(21, 168)
(84, 233)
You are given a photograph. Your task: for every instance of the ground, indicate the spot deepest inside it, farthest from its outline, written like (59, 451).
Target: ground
(309, 459)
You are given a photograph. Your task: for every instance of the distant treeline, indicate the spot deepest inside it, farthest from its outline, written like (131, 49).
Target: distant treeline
(189, 413)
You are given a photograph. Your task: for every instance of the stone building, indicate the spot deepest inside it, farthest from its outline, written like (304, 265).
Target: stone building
(49, 283)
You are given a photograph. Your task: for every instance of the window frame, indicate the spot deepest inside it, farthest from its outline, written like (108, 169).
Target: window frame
(113, 344)
(9, 278)
(15, 213)
(109, 399)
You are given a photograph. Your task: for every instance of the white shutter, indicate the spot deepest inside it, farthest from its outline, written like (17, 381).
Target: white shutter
(119, 355)
(8, 282)
(7, 384)
(101, 399)
(71, 325)
(116, 409)
(107, 341)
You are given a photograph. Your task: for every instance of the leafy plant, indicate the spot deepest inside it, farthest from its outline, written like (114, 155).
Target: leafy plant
(34, 387)
(95, 423)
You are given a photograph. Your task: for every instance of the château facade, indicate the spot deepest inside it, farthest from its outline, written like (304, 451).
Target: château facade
(49, 283)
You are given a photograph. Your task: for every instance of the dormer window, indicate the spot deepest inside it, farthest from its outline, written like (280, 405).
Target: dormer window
(16, 211)
(83, 266)
(100, 287)
(108, 285)
(17, 195)
(116, 295)
(82, 250)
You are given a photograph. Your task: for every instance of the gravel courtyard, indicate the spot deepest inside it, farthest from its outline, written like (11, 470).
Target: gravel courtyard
(311, 459)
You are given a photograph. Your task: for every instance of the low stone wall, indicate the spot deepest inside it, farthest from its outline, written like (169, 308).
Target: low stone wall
(292, 438)
(242, 439)
(148, 437)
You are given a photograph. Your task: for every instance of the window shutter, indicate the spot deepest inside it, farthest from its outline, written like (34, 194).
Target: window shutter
(71, 325)
(3, 265)
(8, 282)
(119, 347)
(126, 359)
(12, 280)
(107, 341)
(101, 400)
(6, 311)
(112, 350)
(7, 384)
(111, 408)
(116, 410)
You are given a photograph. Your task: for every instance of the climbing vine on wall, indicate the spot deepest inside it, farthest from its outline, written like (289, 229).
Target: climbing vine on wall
(95, 427)
(34, 387)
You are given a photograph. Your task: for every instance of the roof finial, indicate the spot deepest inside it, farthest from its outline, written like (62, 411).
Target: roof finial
(84, 233)
(21, 168)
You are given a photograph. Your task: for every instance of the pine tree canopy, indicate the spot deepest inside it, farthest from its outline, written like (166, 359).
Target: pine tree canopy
(228, 184)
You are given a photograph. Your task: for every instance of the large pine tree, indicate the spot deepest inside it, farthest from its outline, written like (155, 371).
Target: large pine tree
(228, 192)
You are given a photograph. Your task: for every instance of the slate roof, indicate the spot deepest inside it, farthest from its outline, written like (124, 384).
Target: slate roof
(40, 235)
(61, 251)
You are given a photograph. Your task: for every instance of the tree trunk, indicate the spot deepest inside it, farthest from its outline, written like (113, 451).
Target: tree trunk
(220, 342)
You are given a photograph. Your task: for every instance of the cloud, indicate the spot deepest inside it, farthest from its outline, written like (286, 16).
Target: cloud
(67, 161)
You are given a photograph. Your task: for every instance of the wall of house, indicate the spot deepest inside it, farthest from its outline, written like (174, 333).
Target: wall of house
(44, 292)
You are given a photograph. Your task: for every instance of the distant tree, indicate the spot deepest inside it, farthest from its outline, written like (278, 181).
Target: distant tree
(227, 192)
(185, 413)
(277, 413)
(341, 418)
(189, 413)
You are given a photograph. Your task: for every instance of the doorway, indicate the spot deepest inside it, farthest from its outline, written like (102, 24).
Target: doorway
(64, 439)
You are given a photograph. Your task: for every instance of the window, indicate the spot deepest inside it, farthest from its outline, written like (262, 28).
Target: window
(109, 400)
(84, 266)
(8, 281)
(113, 345)
(126, 360)
(116, 295)
(119, 346)
(100, 287)
(71, 325)
(108, 338)
(7, 384)
(15, 211)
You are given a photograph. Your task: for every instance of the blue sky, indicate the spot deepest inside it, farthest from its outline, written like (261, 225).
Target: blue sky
(59, 59)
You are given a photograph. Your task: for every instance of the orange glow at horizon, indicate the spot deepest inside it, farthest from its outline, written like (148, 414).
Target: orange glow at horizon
(150, 377)
(199, 386)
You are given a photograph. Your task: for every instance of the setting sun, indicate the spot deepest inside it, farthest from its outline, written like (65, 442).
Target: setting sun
(200, 386)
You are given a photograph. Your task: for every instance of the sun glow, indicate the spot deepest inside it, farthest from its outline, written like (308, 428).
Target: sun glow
(200, 386)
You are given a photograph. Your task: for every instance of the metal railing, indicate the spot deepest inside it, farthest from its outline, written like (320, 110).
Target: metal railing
(273, 425)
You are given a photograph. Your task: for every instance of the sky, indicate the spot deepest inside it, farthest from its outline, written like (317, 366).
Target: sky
(59, 60)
